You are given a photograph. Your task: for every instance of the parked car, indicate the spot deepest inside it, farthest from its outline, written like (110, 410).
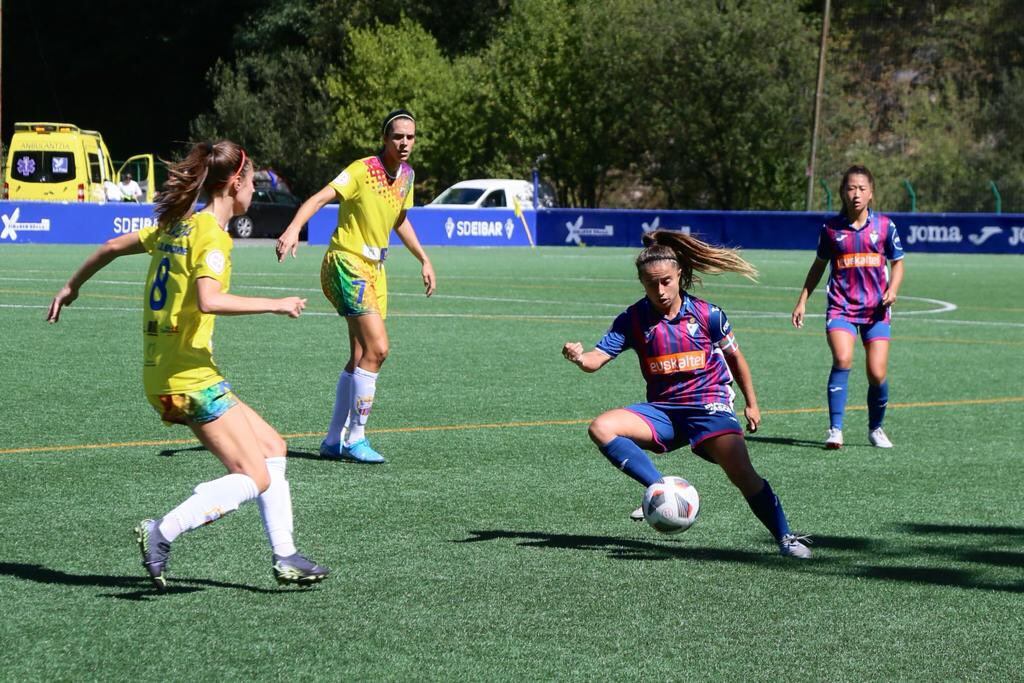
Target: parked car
(492, 193)
(269, 214)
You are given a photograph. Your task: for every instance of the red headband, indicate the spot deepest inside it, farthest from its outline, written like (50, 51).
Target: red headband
(240, 165)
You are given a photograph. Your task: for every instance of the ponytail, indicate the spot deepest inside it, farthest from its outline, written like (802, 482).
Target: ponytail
(692, 254)
(207, 167)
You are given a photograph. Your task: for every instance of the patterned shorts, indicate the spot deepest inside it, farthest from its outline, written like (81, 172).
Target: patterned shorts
(195, 407)
(354, 285)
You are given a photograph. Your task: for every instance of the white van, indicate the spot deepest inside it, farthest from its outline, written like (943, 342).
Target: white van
(491, 193)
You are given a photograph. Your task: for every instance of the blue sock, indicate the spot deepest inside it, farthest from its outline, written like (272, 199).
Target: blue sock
(878, 399)
(837, 382)
(765, 504)
(631, 459)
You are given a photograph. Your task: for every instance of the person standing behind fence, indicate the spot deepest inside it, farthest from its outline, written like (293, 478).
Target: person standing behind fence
(374, 193)
(186, 288)
(859, 244)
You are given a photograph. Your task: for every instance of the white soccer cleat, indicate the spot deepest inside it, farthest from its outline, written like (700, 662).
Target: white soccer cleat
(835, 439)
(793, 545)
(637, 515)
(878, 439)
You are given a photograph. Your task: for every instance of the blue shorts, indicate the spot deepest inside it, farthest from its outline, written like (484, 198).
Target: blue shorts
(672, 426)
(869, 332)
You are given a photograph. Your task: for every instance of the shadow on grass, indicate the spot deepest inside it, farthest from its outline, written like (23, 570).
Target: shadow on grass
(785, 441)
(848, 564)
(144, 590)
(169, 452)
(621, 548)
(969, 529)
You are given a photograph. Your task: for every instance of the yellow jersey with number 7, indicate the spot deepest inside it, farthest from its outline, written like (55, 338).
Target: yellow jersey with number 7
(177, 336)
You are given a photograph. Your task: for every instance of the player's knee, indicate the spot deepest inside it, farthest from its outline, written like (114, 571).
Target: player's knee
(876, 377)
(261, 477)
(275, 447)
(842, 361)
(601, 431)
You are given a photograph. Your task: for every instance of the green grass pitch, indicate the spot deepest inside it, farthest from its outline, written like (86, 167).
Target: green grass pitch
(496, 544)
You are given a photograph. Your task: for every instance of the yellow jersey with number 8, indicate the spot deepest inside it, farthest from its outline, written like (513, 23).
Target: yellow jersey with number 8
(177, 336)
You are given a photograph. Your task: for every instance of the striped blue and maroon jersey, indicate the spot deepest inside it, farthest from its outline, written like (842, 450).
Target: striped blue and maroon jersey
(681, 359)
(859, 274)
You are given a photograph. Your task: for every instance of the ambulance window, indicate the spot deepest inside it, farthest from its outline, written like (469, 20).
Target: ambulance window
(95, 170)
(43, 167)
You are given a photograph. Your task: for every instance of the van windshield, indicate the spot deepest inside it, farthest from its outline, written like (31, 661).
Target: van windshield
(459, 195)
(43, 167)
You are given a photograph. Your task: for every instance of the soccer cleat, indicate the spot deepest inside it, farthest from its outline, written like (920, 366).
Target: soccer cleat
(360, 451)
(792, 545)
(330, 451)
(155, 551)
(298, 571)
(835, 439)
(878, 438)
(637, 515)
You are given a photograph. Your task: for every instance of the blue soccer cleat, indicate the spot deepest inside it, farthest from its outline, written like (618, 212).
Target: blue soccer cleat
(359, 452)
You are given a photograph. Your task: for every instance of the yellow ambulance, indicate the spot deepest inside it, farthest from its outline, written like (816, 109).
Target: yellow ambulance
(59, 162)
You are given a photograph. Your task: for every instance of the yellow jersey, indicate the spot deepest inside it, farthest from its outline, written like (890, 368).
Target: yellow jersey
(177, 336)
(371, 202)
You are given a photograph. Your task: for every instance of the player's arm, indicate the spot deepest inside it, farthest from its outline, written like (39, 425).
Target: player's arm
(741, 375)
(889, 297)
(288, 242)
(814, 274)
(122, 245)
(589, 361)
(406, 233)
(211, 299)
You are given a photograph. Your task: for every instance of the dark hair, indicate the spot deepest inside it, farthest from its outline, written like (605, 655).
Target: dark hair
(207, 167)
(385, 127)
(856, 169)
(691, 254)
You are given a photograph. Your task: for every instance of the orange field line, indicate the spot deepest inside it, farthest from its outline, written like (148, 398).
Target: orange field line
(492, 425)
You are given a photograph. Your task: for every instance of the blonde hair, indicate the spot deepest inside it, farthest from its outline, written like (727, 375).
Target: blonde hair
(207, 167)
(691, 254)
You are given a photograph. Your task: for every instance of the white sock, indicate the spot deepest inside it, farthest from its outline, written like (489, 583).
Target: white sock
(364, 386)
(211, 501)
(276, 509)
(342, 409)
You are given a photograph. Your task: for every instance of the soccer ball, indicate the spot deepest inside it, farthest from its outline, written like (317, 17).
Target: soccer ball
(671, 505)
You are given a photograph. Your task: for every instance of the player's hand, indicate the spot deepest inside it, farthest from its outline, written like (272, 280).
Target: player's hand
(798, 315)
(573, 352)
(287, 242)
(291, 306)
(429, 279)
(65, 297)
(889, 298)
(753, 415)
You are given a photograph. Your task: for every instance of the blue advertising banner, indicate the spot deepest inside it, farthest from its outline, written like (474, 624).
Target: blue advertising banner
(70, 223)
(987, 233)
(73, 223)
(446, 227)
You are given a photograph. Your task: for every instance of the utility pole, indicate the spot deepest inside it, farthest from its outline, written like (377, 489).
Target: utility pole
(817, 105)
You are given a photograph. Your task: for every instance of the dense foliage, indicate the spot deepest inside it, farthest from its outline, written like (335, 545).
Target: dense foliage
(641, 102)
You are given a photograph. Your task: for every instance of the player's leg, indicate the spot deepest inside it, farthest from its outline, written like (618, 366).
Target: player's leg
(220, 424)
(341, 415)
(371, 336)
(729, 451)
(275, 506)
(622, 435)
(876, 345)
(841, 336)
